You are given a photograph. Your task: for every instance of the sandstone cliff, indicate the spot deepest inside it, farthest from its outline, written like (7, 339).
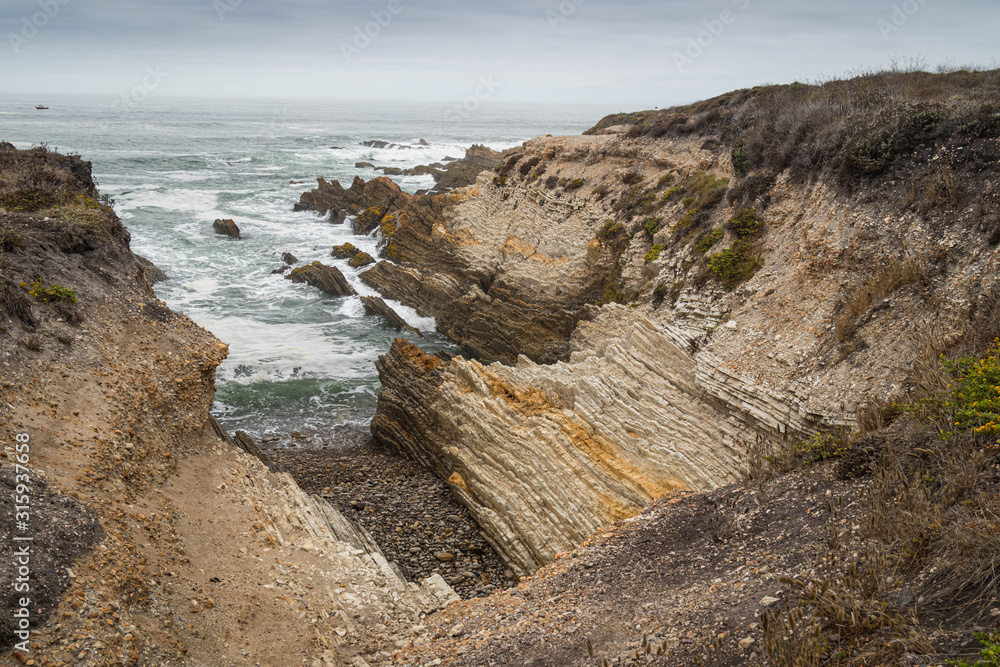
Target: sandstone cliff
(697, 283)
(155, 541)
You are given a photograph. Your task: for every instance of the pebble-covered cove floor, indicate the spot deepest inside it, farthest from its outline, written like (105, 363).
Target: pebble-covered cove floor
(409, 510)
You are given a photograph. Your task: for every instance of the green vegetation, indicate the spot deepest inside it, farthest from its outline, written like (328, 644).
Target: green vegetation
(737, 263)
(710, 240)
(734, 265)
(613, 293)
(855, 127)
(28, 201)
(611, 229)
(746, 223)
(739, 158)
(55, 292)
(600, 191)
(655, 252)
(652, 225)
(575, 184)
(990, 654)
(970, 401)
(666, 180)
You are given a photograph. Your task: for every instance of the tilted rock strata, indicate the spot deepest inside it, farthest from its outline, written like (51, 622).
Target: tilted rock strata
(672, 387)
(378, 307)
(379, 195)
(328, 279)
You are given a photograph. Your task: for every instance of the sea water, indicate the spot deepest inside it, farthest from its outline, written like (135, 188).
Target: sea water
(298, 360)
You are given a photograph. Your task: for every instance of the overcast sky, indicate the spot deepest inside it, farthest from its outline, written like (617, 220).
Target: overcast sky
(630, 55)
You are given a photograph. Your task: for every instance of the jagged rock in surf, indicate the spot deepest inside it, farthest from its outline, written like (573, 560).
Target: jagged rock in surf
(226, 228)
(377, 306)
(325, 278)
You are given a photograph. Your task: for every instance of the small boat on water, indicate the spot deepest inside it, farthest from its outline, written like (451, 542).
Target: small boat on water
(41, 107)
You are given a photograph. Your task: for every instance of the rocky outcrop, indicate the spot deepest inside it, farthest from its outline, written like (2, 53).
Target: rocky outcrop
(226, 228)
(148, 524)
(380, 308)
(325, 278)
(289, 258)
(153, 273)
(657, 314)
(356, 258)
(370, 201)
(463, 172)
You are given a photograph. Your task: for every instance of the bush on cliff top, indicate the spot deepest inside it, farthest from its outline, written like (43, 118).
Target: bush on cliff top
(859, 126)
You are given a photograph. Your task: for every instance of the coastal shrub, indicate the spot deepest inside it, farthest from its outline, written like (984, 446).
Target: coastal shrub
(970, 402)
(54, 292)
(989, 655)
(652, 225)
(670, 195)
(28, 200)
(746, 223)
(500, 180)
(525, 167)
(655, 252)
(739, 159)
(600, 192)
(894, 275)
(611, 229)
(710, 240)
(613, 293)
(632, 178)
(736, 264)
(575, 184)
(666, 180)
(10, 240)
(552, 181)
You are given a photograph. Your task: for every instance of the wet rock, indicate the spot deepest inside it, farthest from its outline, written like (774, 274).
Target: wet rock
(289, 258)
(283, 270)
(377, 306)
(328, 279)
(390, 171)
(152, 272)
(356, 257)
(363, 165)
(377, 197)
(226, 227)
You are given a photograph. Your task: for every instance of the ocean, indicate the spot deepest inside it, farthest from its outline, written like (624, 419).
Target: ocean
(298, 360)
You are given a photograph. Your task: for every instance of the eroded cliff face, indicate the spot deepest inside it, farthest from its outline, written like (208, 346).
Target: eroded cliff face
(777, 325)
(155, 541)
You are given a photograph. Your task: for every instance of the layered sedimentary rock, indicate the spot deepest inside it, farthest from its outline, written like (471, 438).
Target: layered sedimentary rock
(227, 228)
(325, 278)
(378, 307)
(702, 357)
(370, 201)
(150, 523)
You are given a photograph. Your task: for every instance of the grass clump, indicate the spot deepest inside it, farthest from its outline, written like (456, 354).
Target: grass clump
(600, 191)
(895, 275)
(575, 184)
(52, 293)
